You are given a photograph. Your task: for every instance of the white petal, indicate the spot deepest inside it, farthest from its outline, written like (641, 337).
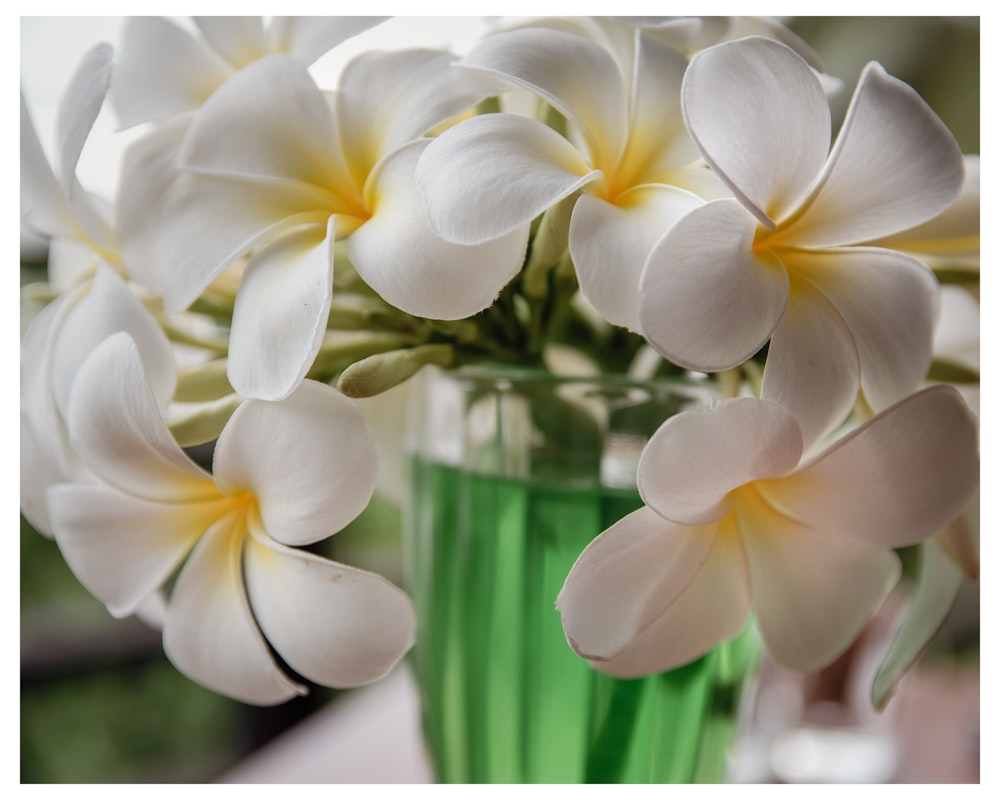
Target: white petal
(110, 307)
(47, 456)
(269, 120)
(149, 166)
(812, 593)
(761, 120)
(92, 216)
(957, 334)
(895, 480)
(953, 232)
(207, 222)
(333, 624)
(239, 40)
(71, 263)
(308, 38)
(610, 245)
(658, 142)
(713, 608)
(386, 99)
(80, 104)
(400, 257)
(813, 367)
(280, 314)
(494, 173)
(162, 70)
(707, 301)
(309, 460)
(895, 165)
(210, 634)
(43, 204)
(38, 471)
(696, 458)
(937, 585)
(37, 401)
(117, 429)
(890, 304)
(122, 548)
(626, 579)
(578, 77)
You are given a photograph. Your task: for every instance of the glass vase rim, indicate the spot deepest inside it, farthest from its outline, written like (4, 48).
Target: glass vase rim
(501, 373)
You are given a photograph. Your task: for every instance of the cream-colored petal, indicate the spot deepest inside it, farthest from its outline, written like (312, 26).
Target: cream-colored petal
(119, 433)
(162, 70)
(309, 460)
(611, 242)
(812, 593)
(43, 203)
(658, 141)
(578, 77)
(713, 608)
(398, 254)
(897, 479)
(280, 314)
(210, 634)
(149, 166)
(388, 98)
(38, 471)
(696, 458)
(239, 40)
(626, 579)
(308, 38)
(207, 222)
(707, 301)
(110, 307)
(268, 121)
(813, 368)
(333, 624)
(954, 232)
(890, 304)
(81, 102)
(760, 118)
(894, 165)
(494, 173)
(121, 548)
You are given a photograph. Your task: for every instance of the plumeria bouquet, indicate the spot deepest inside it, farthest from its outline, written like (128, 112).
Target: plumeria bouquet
(642, 196)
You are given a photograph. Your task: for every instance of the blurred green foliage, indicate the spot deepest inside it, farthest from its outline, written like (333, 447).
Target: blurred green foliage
(937, 56)
(137, 720)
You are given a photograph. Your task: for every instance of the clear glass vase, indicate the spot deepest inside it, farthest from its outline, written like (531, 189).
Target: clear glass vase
(513, 472)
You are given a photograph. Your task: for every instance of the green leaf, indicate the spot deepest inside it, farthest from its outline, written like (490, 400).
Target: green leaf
(937, 584)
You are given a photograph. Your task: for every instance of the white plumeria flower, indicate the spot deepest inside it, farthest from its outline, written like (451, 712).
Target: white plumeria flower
(286, 474)
(78, 224)
(776, 263)
(84, 230)
(163, 70)
(56, 343)
(734, 522)
(164, 74)
(280, 169)
(636, 165)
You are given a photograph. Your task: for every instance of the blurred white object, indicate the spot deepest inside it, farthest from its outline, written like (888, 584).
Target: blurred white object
(371, 735)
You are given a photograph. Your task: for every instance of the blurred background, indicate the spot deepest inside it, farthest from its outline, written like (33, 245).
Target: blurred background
(99, 701)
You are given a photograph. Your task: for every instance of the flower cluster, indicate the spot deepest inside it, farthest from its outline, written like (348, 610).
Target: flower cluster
(631, 189)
